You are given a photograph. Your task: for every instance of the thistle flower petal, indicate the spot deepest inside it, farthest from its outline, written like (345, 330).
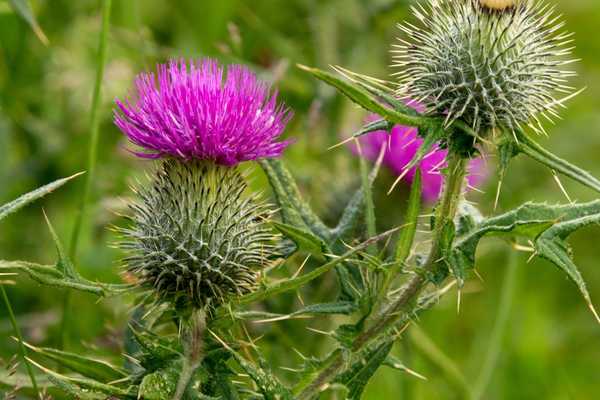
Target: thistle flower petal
(200, 110)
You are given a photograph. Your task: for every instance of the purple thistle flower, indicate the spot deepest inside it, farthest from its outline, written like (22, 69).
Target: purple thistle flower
(401, 145)
(199, 110)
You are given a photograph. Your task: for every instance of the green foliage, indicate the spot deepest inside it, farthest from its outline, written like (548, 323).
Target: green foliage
(23, 9)
(544, 225)
(372, 273)
(30, 197)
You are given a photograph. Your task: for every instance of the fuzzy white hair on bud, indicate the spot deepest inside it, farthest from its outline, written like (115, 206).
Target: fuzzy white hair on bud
(489, 68)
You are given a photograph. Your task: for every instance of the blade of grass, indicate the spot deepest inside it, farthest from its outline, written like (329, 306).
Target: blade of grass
(17, 331)
(499, 330)
(94, 126)
(23, 9)
(92, 154)
(436, 356)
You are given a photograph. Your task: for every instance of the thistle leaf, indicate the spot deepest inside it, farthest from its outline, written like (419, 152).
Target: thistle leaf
(267, 383)
(304, 240)
(354, 210)
(51, 276)
(532, 149)
(294, 210)
(292, 284)
(407, 235)
(159, 385)
(82, 386)
(334, 308)
(545, 225)
(30, 197)
(63, 264)
(365, 99)
(89, 367)
(355, 379)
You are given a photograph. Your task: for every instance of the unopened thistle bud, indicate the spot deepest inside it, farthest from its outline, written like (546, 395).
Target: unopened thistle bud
(490, 63)
(197, 235)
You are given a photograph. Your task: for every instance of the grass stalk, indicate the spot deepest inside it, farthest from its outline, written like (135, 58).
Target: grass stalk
(92, 155)
(19, 336)
(499, 331)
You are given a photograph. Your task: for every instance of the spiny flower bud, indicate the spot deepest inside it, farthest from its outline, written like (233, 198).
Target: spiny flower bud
(491, 63)
(197, 237)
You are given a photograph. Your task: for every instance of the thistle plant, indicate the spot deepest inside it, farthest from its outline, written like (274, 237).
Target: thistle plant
(202, 249)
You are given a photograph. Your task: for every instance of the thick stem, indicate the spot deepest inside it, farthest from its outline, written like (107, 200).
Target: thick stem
(194, 351)
(446, 211)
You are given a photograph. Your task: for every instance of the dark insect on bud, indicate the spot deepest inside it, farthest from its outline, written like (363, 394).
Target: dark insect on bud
(197, 237)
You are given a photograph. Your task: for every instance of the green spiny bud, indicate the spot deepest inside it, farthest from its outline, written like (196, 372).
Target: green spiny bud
(492, 64)
(197, 237)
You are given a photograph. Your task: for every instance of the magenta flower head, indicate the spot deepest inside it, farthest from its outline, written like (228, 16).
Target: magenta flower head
(203, 111)
(401, 145)
(198, 235)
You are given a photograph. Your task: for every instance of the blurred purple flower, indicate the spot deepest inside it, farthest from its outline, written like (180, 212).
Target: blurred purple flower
(199, 110)
(401, 146)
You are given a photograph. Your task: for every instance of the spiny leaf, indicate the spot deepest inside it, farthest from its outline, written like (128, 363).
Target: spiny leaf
(377, 88)
(407, 234)
(365, 99)
(359, 373)
(546, 226)
(25, 199)
(23, 9)
(89, 367)
(84, 385)
(63, 264)
(51, 276)
(159, 385)
(529, 147)
(305, 240)
(291, 284)
(551, 246)
(334, 308)
(267, 383)
(295, 211)
(354, 210)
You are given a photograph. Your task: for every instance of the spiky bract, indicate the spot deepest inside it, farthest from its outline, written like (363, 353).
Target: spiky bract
(489, 68)
(197, 237)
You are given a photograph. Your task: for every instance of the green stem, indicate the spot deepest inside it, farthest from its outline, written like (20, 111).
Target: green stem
(369, 207)
(532, 149)
(23, 350)
(446, 211)
(502, 317)
(194, 352)
(92, 155)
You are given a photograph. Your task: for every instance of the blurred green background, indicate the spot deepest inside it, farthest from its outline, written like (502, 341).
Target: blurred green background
(551, 348)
